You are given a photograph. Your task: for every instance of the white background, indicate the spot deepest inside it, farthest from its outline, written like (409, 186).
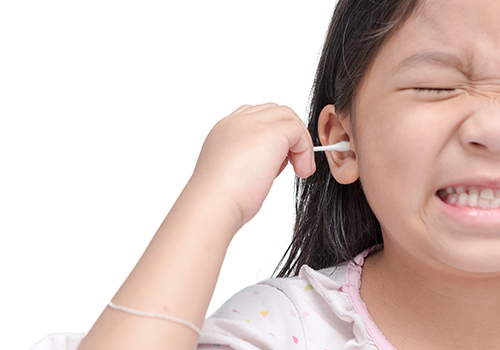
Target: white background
(104, 106)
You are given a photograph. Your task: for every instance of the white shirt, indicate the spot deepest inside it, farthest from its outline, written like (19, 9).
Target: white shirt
(315, 310)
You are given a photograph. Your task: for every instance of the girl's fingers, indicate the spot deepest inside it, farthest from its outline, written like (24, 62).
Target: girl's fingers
(253, 109)
(241, 109)
(303, 164)
(283, 166)
(300, 146)
(245, 152)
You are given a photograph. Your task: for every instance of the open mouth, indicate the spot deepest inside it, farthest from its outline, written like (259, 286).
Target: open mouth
(471, 197)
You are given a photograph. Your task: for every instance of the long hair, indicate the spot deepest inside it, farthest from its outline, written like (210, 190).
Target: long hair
(333, 222)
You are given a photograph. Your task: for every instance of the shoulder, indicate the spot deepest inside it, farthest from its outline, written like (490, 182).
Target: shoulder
(311, 310)
(257, 317)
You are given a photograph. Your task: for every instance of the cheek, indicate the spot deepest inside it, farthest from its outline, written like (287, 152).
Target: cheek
(395, 162)
(400, 145)
(389, 157)
(384, 183)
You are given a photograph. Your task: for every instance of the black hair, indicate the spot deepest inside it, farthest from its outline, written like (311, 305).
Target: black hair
(333, 222)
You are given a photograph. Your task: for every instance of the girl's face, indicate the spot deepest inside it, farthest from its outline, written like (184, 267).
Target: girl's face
(427, 136)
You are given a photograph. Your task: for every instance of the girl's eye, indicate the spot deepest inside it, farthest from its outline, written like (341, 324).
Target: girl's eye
(434, 90)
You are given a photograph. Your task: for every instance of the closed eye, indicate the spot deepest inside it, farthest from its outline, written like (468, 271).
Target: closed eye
(434, 90)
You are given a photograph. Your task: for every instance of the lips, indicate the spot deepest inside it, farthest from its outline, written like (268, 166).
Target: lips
(471, 197)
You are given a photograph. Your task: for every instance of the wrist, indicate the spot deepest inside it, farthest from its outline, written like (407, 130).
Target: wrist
(214, 201)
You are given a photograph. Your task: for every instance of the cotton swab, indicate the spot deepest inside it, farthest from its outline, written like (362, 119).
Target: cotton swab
(342, 146)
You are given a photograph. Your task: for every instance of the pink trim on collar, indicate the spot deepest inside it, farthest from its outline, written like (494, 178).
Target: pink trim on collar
(353, 283)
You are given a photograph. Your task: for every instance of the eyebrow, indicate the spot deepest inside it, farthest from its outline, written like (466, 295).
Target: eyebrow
(436, 58)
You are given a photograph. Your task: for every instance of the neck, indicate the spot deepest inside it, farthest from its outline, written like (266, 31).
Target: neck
(416, 306)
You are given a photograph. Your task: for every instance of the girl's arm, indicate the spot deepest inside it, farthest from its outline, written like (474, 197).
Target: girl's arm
(178, 271)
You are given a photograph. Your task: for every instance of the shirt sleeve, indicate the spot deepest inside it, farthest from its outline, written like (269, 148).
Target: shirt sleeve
(61, 341)
(258, 317)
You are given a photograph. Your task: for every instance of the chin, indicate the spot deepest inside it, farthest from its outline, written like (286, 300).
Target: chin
(474, 259)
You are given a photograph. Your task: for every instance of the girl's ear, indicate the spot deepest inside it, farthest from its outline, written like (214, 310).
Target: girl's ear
(333, 128)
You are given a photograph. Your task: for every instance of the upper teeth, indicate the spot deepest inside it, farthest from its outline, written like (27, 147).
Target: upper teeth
(485, 198)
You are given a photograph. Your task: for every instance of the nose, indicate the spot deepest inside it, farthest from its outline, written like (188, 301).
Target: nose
(482, 130)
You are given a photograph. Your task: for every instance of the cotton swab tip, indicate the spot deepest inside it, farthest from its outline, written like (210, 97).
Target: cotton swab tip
(342, 146)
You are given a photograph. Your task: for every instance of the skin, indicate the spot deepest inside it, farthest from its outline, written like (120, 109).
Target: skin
(435, 285)
(178, 271)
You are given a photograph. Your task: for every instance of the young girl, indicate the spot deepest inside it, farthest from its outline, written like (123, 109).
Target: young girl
(414, 87)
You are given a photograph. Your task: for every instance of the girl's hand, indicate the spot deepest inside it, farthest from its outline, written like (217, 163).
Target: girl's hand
(178, 271)
(245, 151)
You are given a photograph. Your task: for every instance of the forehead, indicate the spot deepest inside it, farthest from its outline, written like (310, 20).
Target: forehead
(463, 34)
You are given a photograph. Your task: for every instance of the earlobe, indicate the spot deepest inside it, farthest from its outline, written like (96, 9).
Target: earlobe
(333, 128)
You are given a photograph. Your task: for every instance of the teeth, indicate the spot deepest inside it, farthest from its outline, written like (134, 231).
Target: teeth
(463, 199)
(453, 198)
(483, 203)
(462, 196)
(487, 193)
(473, 197)
(495, 203)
